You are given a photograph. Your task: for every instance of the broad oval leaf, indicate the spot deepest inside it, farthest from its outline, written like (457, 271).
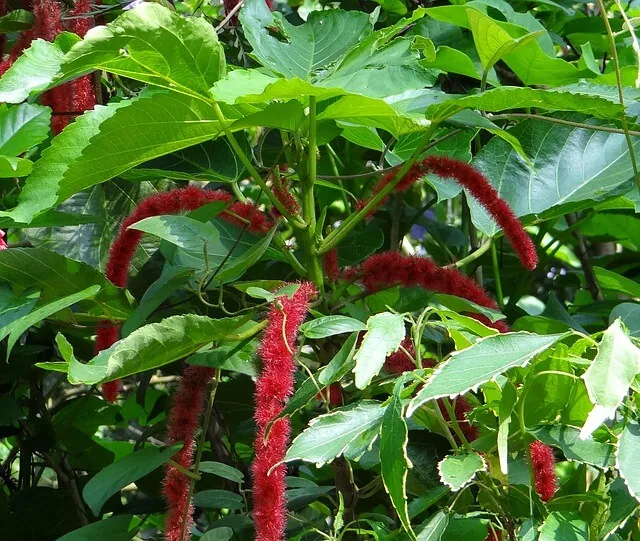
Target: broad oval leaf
(323, 39)
(189, 234)
(22, 127)
(114, 528)
(384, 333)
(352, 429)
(609, 376)
(218, 499)
(58, 276)
(155, 45)
(561, 526)
(457, 471)
(222, 470)
(123, 472)
(330, 326)
(435, 527)
(569, 165)
(481, 362)
(627, 457)
(218, 534)
(149, 347)
(623, 506)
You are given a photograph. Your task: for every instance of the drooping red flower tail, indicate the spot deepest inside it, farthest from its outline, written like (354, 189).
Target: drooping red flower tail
(461, 409)
(124, 246)
(399, 362)
(274, 386)
(388, 269)
(543, 463)
(332, 394)
(480, 188)
(188, 403)
(494, 535)
(331, 267)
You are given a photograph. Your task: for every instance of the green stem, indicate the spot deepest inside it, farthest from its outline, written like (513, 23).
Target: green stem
(307, 182)
(623, 116)
(295, 221)
(582, 125)
(473, 255)
(496, 274)
(291, 258)
(337, 235)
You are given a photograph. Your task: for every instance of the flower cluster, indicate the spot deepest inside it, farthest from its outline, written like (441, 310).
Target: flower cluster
(70, 98)
(274, 387)
(187, 408)
(480, 188)
(124, 246)
(543, 464)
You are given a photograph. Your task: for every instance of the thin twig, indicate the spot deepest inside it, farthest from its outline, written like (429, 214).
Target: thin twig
(229, 16)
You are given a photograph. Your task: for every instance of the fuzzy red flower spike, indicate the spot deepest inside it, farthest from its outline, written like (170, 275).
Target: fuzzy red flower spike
(274, 387)
(543, 463)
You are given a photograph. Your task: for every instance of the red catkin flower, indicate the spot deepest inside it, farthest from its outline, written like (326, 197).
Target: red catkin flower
(480, 188)
(461, 409)
(389, 269)
(331, 267)
(333, 394)
(124, 246)
(543, 463)
(185, 414)
(399, 362)
(274, 386)
(494, 535)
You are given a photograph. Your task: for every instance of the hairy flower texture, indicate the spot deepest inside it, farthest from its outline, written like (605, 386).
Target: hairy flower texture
(494, 535)
(399, 362)
(333, 394)
(543, 463)
(82, 90)
(286, 198)
(274, 386)
(480, 188)
(461, 409)
(124, 246)
(331, 267)
(185, 414)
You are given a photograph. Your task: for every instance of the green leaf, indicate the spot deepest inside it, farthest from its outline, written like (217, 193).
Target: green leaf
(218, 534)
(155, 45)
(22, 127)
(127, 470)
(627, 457)
(222, 470)
(114, 528)
(623, 505)
(33, 71)
(457, 471)
(359, 245)
(43, 186)
(566, 438)
(218, 499)
(609, 376)
(507, 402)
(238, 265)
(323, 327)
(338, 367)
(15, 21)
(305, 49)
(11, 167)
(560, 526)
(511, 97)
(13, 307)
(189, 234)
(237, 357)
(150, 347)
(58, 277)
(384, 333)
(568, 167)
(394, 462)
(492, 41)
(21, 325)
(436, 526)
(351, 429)
(616, 282)
(481, 362)
(629, 314)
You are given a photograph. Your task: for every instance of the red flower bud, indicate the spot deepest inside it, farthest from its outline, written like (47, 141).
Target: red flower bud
(543, 463)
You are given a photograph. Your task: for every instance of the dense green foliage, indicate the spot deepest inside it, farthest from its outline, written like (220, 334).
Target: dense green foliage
(540, 96)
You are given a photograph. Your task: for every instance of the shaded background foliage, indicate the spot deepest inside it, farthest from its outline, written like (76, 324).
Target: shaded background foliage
(320, 102)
